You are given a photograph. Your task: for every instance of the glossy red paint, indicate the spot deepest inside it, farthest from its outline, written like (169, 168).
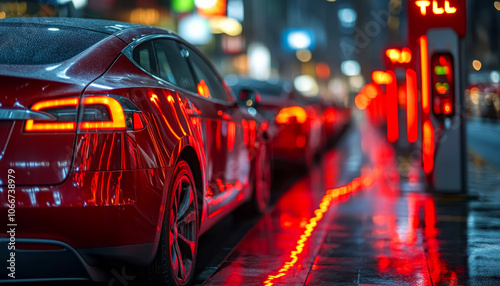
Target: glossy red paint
(100, 191)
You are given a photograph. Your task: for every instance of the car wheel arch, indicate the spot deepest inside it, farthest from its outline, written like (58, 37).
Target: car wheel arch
(188, 154)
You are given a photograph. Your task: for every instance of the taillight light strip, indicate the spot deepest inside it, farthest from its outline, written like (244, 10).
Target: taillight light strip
(117, 106)
(117, 114)
(31, 125)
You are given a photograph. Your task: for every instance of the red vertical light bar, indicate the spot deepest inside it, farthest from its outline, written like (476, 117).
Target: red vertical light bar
(411, 105)
(428, 129)
(428, 147)
(392, 109)
(424, 60)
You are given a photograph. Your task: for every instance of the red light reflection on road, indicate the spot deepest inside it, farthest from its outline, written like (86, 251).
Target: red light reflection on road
(337, 193)
(404, 258)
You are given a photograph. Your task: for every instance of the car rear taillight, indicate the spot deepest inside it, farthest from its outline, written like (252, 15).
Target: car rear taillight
(292, 112)
(98, 113)
(62, 111)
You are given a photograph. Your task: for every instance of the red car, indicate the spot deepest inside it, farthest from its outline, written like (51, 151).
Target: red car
(119, 145)
(296, 124)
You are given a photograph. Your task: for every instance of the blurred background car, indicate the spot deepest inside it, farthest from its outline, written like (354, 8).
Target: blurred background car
(296, 123)
(482, 95)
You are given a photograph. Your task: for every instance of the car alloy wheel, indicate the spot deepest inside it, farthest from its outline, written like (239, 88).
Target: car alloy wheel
(175, 259)
(182, 226)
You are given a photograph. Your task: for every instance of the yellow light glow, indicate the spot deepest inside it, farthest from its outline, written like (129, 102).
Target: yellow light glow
(303, 55)
(477, 65)
(225, 25)
(497, 5)
(145, 16)
(423, 6)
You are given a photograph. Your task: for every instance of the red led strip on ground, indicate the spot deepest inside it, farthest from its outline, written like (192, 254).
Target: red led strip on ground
(361, 182)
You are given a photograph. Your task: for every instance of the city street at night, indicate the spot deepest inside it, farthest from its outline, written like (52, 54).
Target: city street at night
(249, 142)
(390, 232)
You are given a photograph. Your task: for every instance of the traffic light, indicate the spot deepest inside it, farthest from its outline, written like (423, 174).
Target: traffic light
(442, 85)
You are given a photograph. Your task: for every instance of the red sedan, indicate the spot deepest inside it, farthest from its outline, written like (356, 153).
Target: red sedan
(297, 126)
(119, 145)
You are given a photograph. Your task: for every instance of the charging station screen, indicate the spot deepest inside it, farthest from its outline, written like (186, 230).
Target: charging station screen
(442, 80)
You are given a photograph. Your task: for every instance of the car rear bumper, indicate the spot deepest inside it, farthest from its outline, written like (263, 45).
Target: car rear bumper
(50, 260)
(92, 221)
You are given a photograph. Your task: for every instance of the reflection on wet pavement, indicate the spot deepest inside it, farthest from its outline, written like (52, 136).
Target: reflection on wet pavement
(391, 233)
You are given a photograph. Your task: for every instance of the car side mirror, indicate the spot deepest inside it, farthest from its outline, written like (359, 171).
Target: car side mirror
(249, 97)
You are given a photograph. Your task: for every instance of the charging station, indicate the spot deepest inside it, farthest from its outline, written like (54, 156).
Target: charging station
(437, 29)
(446, 111)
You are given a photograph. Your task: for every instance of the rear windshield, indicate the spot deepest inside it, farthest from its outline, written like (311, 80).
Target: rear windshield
(26, 44)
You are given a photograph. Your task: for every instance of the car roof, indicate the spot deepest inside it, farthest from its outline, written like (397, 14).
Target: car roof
(98, 25)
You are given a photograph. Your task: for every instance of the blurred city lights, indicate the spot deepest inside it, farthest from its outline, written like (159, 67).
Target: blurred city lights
(195, 29)
(347, 17)
(145, 16)
(307, 85)
(79, 4)
(399, 56)
(235, 10)
(322, 70)
(356, 82)
(211, 8)
(232, 45)
(477, 65)
(303, 55)
(338, 88)
(225, 25)
(495, 76)
(298, 39)
(205, 4)
(497, 5)
(350, 68)
(259, 61)
(380, 77)
(182, 6)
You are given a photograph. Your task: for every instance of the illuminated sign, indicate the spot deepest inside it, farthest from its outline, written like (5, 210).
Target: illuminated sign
(435, 7)
(427, 14)
(443, 96)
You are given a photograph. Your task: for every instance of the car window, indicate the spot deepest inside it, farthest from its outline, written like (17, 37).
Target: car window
(171, 65)
(208, 84)
(143, 55)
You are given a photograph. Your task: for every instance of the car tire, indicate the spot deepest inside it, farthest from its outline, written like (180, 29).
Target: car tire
(175, 260)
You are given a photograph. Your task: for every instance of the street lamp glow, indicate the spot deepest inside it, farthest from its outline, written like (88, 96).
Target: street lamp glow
(299, 40)
(350, 68)
(205, 4)
(303, 55)
(477, 65)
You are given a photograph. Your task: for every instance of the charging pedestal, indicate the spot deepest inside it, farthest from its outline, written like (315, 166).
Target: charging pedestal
(439, 26)
(446, 115)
